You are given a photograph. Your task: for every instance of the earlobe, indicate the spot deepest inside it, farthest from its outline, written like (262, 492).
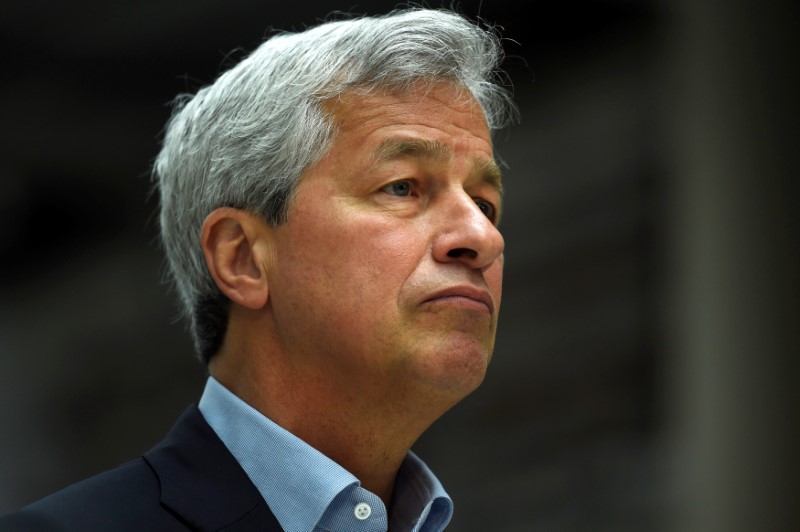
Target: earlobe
(233, 242)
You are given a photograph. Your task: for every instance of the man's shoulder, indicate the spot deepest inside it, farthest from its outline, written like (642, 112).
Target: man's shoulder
(188, 481)
(123, 498)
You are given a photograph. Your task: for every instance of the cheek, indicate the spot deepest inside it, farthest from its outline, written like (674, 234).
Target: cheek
(373, 246)
(352, 263)
(389, 253)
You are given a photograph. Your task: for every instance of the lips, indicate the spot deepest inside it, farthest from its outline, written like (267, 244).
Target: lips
(463, 295)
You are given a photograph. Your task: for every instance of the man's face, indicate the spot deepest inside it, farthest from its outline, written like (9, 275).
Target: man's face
(387, 275)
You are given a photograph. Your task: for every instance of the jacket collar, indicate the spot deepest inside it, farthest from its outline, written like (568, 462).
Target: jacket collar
(202, 482)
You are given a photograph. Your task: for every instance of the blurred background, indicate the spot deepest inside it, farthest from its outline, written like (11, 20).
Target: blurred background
(647, 351)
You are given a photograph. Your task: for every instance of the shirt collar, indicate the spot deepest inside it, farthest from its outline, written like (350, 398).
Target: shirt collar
(298, 482)
(419, 501)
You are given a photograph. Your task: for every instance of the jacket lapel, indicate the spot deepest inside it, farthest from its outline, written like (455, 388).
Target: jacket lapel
(203, 483)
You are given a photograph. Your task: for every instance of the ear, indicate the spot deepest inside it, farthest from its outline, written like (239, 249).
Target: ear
(236, 245)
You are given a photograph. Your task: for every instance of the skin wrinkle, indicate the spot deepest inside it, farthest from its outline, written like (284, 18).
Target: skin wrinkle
(391, 149)
(397, 148)
(351, 351)
(404, 53)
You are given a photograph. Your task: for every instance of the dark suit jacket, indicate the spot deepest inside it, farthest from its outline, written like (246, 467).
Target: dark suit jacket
(189, 481)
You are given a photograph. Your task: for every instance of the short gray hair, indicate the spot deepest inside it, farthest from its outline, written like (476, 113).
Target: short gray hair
(245, 140)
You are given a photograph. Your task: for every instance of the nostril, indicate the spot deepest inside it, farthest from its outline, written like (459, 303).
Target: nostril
(462, 252)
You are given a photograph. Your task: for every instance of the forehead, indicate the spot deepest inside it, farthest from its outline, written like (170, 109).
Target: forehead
(443, 112)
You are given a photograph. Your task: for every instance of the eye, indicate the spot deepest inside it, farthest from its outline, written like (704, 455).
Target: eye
(487, 209)
(398, 188)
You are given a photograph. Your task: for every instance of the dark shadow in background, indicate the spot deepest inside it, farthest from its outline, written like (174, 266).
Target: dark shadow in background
(642, 375)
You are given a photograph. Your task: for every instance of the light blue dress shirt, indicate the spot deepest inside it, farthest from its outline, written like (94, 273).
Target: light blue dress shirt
(309, 492)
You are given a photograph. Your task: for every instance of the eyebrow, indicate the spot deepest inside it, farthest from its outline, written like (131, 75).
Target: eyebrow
(391, 149)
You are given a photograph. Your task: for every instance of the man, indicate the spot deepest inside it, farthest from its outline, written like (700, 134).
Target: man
(329, 211)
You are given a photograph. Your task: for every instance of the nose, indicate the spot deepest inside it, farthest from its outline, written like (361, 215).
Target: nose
(465, 235)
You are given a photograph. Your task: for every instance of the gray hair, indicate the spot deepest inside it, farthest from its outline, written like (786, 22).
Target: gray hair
(245, 140)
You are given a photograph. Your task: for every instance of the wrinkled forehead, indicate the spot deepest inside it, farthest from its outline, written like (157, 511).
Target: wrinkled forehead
(449, 92)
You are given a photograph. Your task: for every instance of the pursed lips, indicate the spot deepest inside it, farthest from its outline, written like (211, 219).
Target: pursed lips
(468, 295)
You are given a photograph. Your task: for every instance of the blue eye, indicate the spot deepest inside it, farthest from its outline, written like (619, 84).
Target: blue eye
(398, 188)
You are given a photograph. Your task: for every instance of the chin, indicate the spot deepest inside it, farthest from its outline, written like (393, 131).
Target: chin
(456, 366)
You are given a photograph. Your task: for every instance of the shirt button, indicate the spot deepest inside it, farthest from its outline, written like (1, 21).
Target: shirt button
(362, 511)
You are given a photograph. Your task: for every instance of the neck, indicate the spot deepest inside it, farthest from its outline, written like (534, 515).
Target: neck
(366, 431)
